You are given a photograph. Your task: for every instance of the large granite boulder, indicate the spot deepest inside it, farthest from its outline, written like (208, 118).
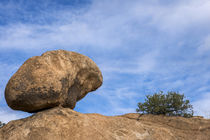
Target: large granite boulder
(52, 79)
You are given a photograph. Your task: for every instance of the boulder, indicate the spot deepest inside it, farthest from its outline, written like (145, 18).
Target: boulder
(56, 78)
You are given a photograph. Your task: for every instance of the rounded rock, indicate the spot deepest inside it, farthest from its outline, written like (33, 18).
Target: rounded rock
(55, 78)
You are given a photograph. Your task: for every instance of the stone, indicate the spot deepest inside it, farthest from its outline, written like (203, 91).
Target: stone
(65, 124)
(56, 78)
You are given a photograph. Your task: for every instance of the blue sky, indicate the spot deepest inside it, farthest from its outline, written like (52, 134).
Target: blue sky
(141, 47)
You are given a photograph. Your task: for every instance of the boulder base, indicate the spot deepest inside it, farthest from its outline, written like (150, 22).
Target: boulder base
(65, 124)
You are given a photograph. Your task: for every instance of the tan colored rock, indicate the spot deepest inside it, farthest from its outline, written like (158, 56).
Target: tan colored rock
(52, 79)
(65, 124)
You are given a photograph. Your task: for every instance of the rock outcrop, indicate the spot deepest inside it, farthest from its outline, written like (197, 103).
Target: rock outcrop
(52, 83)
(52, 79)
(65, 124)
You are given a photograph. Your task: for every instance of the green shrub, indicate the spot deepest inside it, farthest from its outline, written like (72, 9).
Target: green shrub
(170, 104)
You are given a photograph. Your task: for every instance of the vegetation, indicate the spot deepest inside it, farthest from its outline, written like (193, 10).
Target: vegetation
(170, 104)
(1, 124)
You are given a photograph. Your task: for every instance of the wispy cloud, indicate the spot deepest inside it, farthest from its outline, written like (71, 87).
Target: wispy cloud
(181, 16)
(6, 72)
(201, 106)
(110, 101)
(116, 27)
(141, 46)
(7, 114)
(205, 45)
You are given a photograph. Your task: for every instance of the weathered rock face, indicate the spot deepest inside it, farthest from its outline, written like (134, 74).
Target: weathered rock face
(65, 124)
(52, 79)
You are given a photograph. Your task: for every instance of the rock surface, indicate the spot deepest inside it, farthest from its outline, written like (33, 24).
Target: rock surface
(65, 124)
(52, 79)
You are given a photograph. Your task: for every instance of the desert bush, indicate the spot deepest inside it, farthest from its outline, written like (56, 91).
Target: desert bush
(170, 104)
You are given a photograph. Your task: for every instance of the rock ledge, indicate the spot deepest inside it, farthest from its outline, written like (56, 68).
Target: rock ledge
(65, 124)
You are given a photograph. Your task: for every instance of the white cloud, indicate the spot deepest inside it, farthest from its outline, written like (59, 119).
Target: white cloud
(6, 72)
(144, 63)
(7, 114)
(106, 25)
(176, 17)
(120, 100)
(205, 45)
(183, 16)
(142, 31)
(201, 106)
(27, 37)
